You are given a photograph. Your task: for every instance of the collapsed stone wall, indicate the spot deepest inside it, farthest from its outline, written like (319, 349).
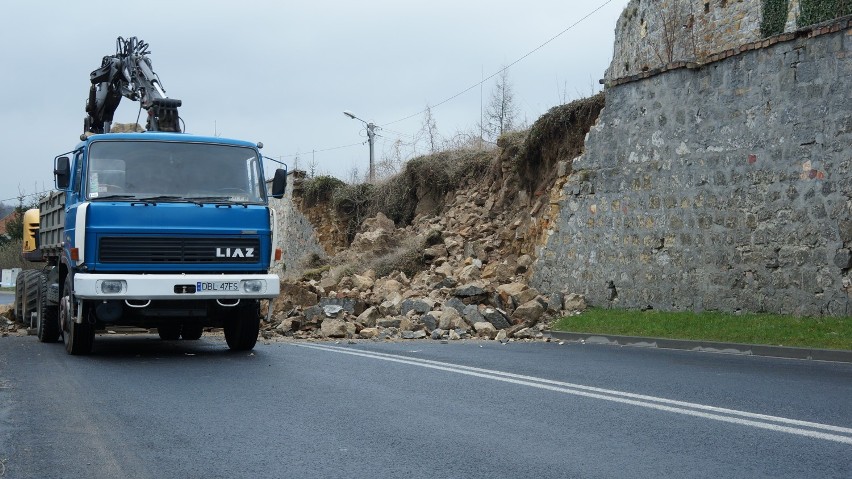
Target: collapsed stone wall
(721, 187)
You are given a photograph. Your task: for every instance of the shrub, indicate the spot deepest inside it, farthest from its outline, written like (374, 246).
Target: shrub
(352, 204)
(774, 17)
(557, 135)
(816, 11)
(427, 178)
(319, 189)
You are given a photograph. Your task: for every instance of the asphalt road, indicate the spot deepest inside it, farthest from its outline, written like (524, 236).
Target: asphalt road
(7, 297)
(143, 408)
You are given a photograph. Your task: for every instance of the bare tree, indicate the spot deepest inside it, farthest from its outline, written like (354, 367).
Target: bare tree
(464, 140)
(429, 130)
(677, 29)
(313, 166)
(501, 111)
(355, 176)
(392, 159)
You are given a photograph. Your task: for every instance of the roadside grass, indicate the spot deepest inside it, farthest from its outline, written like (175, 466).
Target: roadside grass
(770, 329)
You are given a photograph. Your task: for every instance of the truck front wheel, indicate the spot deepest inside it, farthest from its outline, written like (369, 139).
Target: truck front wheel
(79, 338)
(242, 327)
(169, 331)
(191, 331)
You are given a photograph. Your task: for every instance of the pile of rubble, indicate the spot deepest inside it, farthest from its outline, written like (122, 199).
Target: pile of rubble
(8, 324)
(470, 285)
(457, 271)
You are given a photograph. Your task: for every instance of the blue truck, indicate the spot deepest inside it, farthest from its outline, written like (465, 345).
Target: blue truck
(158, 229)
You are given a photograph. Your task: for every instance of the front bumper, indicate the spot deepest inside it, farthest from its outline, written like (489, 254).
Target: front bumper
(175, 286)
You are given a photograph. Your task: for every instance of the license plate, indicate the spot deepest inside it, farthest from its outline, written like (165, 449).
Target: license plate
(217, 286)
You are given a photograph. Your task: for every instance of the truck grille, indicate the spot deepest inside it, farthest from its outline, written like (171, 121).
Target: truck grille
(122, 249)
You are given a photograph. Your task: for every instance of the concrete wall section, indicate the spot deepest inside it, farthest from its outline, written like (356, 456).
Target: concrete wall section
(296, 235)
(727, 187)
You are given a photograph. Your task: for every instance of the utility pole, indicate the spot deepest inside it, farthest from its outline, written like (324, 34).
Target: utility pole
(371, 139)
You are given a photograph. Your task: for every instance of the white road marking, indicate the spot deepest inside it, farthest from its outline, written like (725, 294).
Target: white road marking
(762, 421)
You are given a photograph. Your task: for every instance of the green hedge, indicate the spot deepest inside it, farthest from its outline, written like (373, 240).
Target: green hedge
(816, 11)
(774, 17)
(320, 188)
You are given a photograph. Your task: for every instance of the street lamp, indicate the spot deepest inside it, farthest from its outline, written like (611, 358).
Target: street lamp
(371, 136)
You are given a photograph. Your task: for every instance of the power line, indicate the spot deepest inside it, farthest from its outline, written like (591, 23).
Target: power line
(397, 133)
(323, 150)
(506, 67)
(477, 84)
(40, 193)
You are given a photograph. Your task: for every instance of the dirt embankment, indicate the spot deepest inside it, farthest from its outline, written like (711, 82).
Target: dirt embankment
(444, 248)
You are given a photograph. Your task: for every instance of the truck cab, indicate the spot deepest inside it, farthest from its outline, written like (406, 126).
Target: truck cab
(158, 230)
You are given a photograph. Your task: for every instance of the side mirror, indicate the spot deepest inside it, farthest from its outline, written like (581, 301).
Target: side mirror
(62, 172)
(279, 183)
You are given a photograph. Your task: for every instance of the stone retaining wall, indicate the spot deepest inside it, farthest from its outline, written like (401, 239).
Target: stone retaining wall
(725, 187)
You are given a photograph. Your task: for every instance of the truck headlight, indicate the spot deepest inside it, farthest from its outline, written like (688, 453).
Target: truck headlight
(254, 285)
(112, 286)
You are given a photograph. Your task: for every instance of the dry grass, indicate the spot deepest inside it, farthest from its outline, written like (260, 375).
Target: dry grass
(426, 180)
(407, 258)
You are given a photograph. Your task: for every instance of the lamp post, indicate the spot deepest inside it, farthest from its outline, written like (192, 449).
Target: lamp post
(371, 136)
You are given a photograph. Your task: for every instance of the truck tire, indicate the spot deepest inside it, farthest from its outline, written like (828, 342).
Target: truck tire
(191, 332)
(242, 328)
(19, 295)
(32, 288)
(79, 338)
(169, 331)
(21, 288)
(47, 316)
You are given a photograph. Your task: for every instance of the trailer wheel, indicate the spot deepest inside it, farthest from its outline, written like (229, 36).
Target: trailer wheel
(191, 332)
(21, 288)
(32, 288)
(242, 328)
(47, 316)
(19, 296)
(79, 338)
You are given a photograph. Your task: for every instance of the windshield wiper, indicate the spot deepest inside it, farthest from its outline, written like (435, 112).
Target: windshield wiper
(219, 201)
(113, 197)
(163, 198)
(209, 199)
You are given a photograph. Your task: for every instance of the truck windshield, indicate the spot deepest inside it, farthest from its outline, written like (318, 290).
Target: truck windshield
(141, 169)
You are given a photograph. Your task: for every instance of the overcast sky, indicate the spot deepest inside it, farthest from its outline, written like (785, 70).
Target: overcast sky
(283, 72)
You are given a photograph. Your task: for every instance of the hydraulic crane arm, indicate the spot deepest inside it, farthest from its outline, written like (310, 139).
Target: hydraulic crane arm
(129, 74)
